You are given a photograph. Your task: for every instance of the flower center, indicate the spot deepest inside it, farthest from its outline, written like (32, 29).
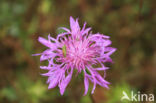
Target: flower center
(78, 52)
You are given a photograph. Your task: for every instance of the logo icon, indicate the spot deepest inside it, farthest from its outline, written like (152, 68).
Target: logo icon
(137, 96)
(125, 96)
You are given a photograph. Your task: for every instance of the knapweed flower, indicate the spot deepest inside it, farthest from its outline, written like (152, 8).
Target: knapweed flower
(78, 49)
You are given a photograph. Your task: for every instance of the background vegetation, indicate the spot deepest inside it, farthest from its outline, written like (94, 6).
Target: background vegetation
(130, 23)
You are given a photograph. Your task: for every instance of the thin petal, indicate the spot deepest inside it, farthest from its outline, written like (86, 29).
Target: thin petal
(52, 39)
(94, 86)
(103, 68)
(53, 83)
(65, 82)
(67, 30)
(84, 25)
(98, 36)
(106, 42)
(47, 56)
(86, 84)
(86, 31)
(74, 25)
(36, 54)
(45, 67)
(62, 35)
(46, 42)
(110, 50)
(101, 81)
(94, 79)
(48, 74)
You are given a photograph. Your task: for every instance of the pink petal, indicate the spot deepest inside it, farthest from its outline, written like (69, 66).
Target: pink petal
(86, 84)
(67, 30)
(94, 86)
(65, 82)
(46, 42)
(110, 50)
(36, 54)
(62, 35)
(86, 31)
(74, 25)
(53, 83)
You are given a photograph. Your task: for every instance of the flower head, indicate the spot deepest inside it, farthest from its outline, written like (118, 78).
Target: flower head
(76, 49)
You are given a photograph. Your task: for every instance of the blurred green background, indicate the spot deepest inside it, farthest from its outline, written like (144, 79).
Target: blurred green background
(131, 24)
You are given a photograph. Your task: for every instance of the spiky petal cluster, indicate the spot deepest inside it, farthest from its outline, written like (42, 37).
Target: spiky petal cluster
(76, 49)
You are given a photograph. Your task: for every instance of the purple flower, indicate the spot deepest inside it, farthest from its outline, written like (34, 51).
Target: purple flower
(76, 49)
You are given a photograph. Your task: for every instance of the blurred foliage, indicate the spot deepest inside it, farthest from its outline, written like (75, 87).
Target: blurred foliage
(117, 92)
(130, 23)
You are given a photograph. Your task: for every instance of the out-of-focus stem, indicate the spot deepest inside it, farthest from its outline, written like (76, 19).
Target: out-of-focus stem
(92, 99)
